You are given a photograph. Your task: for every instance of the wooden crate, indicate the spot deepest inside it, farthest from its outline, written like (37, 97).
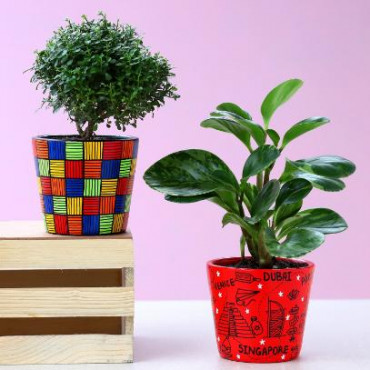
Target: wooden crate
(64, 299)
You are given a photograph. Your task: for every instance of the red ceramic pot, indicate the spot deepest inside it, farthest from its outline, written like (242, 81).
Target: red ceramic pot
(85, 186)
(259, 314)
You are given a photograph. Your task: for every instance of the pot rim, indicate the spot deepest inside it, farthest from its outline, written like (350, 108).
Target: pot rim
(213, 263)
(108, 138)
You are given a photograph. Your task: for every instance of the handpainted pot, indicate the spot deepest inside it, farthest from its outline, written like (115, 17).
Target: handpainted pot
(85, 186)
(259, 314)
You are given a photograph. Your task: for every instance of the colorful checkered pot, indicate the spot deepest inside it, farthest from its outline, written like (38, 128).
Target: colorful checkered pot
(85, 186)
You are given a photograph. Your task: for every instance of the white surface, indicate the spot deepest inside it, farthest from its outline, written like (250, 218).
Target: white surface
(178, 335)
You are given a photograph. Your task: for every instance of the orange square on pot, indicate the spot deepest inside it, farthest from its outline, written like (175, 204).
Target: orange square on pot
(127, 149)
(42, 150)
(92, 169)
(107, 205)
(58, 186)
(75, 225)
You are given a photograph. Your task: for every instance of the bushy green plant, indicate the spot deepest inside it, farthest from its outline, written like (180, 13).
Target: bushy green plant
(100, 71)
(267, 211)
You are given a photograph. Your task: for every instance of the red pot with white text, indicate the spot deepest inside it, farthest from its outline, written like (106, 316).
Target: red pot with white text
(259, 314)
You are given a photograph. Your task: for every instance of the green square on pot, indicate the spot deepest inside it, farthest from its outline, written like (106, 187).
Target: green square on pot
(92, 187)
(127, 203)
(106, 222)
(60, 205)
(125, 168)
(44, 167)
(74, 150)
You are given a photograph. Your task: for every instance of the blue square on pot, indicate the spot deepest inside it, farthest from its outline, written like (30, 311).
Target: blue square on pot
(75, 187)
(57, 150)
(90, 225)
(120, 204)
(135, 149)
(110, 169)
(37, 166)
(48, 204)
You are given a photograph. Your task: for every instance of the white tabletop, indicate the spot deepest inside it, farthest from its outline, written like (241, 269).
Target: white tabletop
(178, 335)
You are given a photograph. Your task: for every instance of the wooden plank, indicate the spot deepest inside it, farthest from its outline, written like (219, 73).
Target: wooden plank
(63, 302)
(36, 230)
(65, 349)
(66, 254)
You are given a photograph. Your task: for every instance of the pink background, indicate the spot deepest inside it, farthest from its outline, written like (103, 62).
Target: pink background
(222, 51)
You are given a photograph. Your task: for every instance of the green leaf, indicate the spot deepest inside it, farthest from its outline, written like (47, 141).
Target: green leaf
(298, 243)
(323, 220)
(293, 191)
(260, 159)
(265, 199)
(250, 192)
(232, 218)
(285, 211)
(226, 199)
(278, 96)
(292, 170)
(253, 128)
(274, 136)
(233, 108)
(190, 173)
(256, 131)
(189, 199)
(327, 165)
(231, 127)
(302, 127)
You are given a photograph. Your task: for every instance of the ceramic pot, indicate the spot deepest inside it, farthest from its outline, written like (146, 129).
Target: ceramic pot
(85, 186)
(259, 314)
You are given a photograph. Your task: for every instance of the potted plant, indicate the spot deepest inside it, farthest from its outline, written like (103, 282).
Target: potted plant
(259, 302)
(100, 73)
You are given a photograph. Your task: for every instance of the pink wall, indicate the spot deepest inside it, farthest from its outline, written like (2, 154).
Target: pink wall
(223, 51)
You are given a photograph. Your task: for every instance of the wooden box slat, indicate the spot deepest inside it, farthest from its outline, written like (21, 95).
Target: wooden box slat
(65, 349)
(66, 254)
(47, 317)
(62, 302)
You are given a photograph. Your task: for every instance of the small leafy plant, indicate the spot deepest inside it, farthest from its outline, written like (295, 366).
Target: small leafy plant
(100, 71)
(268, 211)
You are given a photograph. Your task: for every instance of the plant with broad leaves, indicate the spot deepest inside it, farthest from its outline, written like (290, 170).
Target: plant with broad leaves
(268, 211)
(100, 71)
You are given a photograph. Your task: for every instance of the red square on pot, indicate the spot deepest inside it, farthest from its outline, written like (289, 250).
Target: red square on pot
(46, 185)
(112, 150)
(90, 206)
(74, 169)
(122, 187)
(61, 226)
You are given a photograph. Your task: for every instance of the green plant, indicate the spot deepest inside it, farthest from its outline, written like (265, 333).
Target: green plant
(101, 72)
(267, 211)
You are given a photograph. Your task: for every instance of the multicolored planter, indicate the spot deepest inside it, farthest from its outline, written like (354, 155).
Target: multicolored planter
(85, 186)
(259, 314)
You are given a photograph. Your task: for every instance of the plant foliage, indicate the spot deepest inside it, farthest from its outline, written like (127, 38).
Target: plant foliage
(268, 211)
(100, 71)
